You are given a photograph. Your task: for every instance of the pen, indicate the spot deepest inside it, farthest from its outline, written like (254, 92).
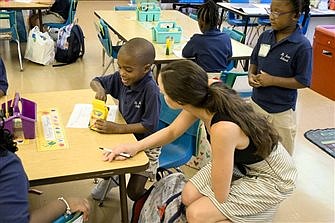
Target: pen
(126, 155)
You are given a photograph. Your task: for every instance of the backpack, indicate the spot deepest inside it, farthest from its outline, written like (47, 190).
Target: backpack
(162, 202)
(70, 44)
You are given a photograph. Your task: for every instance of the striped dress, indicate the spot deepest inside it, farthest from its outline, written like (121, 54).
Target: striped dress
(255, 196)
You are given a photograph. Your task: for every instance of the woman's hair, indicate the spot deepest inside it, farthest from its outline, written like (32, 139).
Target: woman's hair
(187, 83)
(301, 7)
(209, 13)
(6, 140)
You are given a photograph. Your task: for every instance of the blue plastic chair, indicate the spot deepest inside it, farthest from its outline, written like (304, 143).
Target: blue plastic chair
(180, 151)
(193, 16)
(108, 48)
(238, 36)
(70, 18)
(10, 32)
(125, 8)
(234, 21)
(229, 78)
(305, 26)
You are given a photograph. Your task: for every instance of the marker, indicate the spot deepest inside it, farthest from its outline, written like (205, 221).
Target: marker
(126, 155)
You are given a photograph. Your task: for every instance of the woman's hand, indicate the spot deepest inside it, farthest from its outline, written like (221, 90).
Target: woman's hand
(130, 149)
(79, 205)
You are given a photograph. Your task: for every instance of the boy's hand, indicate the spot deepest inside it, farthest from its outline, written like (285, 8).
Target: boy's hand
(125, 148)
(104, 126)
(253, 82)
(101, 95)
(79, 204)
(264, 79)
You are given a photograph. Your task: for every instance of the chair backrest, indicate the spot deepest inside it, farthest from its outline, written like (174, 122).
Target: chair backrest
(305, 26)
(237, 81)
(125, 8)
(180, 151)
(105, 39)
(265, 1)
(236, 35)
(12, 28)
(193, 16)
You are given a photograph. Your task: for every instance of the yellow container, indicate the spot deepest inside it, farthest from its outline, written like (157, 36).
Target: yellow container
(99, 111)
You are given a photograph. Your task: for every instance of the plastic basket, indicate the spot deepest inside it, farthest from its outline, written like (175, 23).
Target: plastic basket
(27, 114)
(148, 12)
(164, 30)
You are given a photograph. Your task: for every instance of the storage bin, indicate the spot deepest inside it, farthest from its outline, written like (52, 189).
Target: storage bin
(164, 30)
(323, 77)
(148, 12)
(27, 115)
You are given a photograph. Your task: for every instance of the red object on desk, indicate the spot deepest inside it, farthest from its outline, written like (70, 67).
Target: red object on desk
(323, 78)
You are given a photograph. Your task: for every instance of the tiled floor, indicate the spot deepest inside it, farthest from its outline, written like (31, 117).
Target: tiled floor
(313, 199)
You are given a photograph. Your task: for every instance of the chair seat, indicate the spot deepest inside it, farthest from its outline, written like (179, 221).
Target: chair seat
(173, 155)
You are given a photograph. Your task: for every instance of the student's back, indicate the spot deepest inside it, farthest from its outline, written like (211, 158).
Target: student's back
(212, 48)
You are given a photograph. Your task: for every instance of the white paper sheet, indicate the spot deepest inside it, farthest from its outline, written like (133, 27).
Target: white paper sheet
(80, 116)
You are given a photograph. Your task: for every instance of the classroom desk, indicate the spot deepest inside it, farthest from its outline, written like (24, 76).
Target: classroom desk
(125, 25)
(245, 10)
(83, 159)
(33, 5)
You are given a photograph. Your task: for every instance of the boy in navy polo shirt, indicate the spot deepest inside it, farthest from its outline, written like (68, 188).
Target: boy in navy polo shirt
(281, 64)
(139, 104)
(212, 49)
(3, 79)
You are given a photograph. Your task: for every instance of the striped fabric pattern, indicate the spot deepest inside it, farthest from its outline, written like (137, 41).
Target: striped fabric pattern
(254, 197)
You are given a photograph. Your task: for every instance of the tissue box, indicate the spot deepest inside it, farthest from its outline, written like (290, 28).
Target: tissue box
(148, 12)
(164, 30)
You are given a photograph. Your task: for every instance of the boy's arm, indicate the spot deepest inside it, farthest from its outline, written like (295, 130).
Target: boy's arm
(266, 80)
(100, 91)
(115, 128)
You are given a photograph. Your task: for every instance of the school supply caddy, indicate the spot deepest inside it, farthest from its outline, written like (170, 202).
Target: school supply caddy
(40, 47)
(148, 12)
(165, 30)
(71, 218)
(20, 117)
(99, 111)
(70, 44)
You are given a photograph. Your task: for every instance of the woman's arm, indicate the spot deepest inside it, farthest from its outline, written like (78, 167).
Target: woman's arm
(225, 137)
(54, 209)
(183, 121)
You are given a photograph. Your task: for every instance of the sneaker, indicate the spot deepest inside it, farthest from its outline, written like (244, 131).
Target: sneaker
(98, 191)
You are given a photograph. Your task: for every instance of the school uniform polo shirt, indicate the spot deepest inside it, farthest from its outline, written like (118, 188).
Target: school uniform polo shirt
(138, 103)
(211, 50)
(14, 204)
(3, 77)
(291, 57)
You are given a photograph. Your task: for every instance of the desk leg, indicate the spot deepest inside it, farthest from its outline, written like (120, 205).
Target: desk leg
(40, 19)
(123, 199)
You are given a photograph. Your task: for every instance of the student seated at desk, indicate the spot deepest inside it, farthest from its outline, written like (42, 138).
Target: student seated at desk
(138, 94)
(14, 187)
(58, 13)
(212, 49)
(250, 173)
(3, 79)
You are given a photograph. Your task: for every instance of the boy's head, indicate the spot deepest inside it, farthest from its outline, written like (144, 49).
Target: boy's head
(135, 59)
(208, 16)
(286, 13)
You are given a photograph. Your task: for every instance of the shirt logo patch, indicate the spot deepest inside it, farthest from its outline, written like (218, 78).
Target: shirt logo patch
(285, 57)
(137, 104)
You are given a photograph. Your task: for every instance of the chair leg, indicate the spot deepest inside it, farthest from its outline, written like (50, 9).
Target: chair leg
(19, 52)
(101, 202)
(109, 64)
(103, 57)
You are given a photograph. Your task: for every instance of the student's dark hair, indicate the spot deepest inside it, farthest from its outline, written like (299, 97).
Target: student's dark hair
(209, 13)
(6, 140)
(140, 48)
(187, 83)
(301, 7)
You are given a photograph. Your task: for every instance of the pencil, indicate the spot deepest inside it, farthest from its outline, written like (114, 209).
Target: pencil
(126, 155)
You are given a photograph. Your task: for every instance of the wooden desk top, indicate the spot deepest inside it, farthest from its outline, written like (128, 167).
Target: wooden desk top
(125, 25)
(24, 5)
(82, 159)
